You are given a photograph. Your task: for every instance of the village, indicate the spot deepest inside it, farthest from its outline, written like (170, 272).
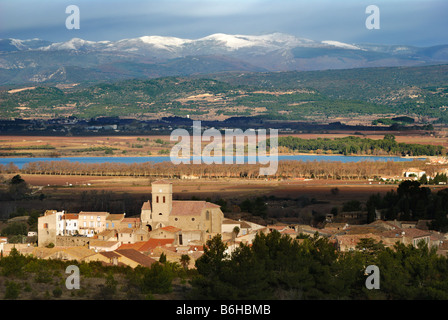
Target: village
(176, 228)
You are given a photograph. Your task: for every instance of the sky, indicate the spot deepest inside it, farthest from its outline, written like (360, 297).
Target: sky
(405, 22)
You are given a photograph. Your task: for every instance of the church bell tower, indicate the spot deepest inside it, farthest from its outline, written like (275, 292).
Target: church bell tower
(162, 202)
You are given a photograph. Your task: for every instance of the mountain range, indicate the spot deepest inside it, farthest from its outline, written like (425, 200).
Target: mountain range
(78, 60)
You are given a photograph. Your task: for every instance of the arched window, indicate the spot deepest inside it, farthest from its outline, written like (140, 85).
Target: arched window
(157, 199)
(207, 215)
(163, 199)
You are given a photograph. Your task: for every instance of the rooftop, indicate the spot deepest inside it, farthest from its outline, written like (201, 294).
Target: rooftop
(171, 229)
(115, 216)
(70, 216)
(136, 256)
(190, 208)
(94, 213)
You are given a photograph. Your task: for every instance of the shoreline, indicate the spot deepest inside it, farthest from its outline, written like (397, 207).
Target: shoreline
(279, 154)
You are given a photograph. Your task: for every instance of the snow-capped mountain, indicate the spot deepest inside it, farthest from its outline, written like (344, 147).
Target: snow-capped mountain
(208, 44)
(154, 56)
(269, 42)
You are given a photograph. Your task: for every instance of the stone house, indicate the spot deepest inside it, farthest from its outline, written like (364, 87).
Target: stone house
(131, 235)
(113, 221)
(48, 227)
(68, 224)
(91, 223)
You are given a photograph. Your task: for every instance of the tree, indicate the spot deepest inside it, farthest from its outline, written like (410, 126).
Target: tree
(185, 260)
(15, 228)
(423, 179)
(12, 291)
(108, 290)
(13, 264)
(351, 206)
(211, 262)
(18, 188)
(157, 279)
(235, 232)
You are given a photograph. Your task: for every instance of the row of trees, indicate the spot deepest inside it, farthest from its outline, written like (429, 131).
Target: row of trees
(411, 201)
(286, 169)
(358, 145)
(278, 267)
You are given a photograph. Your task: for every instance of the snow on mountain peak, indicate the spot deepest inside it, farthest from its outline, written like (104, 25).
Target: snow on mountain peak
(73, 44)
(164, 42)
(274, 40)
(229, 42)
(341, 45)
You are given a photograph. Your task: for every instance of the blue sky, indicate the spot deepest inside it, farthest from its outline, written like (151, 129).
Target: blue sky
(410, 22)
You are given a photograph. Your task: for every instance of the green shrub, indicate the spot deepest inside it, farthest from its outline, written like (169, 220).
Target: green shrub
(57, 292)
(12, 291)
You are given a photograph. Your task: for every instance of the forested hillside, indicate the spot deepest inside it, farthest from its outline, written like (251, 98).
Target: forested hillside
(420, 92)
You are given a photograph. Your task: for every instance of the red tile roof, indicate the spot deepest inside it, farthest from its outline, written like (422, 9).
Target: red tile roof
(135, 245)
(153, 243)
(136, 256)
(197, 248)
(353, 239)
(190, 208)
(146, 205)
(416, 233)
(93, 213)
(109, 254)
(171, 229)
(144, 246)
(70, 216)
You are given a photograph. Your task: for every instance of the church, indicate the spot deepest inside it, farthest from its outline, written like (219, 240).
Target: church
(186, 221)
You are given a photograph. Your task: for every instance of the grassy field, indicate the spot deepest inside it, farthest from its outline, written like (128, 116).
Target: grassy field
(44, 146)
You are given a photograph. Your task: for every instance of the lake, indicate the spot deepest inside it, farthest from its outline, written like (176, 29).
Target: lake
(19, 162)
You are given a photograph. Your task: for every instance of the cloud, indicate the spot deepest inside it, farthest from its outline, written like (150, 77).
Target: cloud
(409, 22)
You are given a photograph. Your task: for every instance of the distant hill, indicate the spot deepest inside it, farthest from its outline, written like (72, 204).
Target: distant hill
(411, 93)
(78, 60)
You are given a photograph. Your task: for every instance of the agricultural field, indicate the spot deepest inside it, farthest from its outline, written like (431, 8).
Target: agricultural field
(146, 146)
